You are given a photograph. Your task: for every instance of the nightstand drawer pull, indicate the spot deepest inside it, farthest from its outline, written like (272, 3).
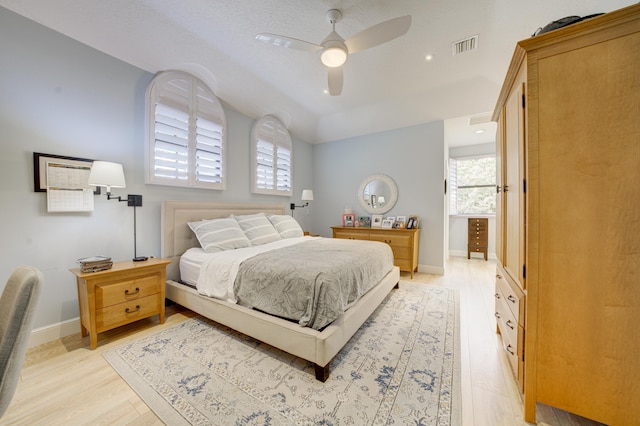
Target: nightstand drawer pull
(127, 293)
(129, 311)
(509, 324)
(511, 298)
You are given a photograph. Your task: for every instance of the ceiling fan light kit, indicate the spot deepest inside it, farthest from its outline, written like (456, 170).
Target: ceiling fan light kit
(335, 50)
(334, 54)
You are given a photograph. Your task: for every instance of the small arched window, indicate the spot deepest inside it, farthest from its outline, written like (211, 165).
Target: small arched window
(186, 134)
(272, 157)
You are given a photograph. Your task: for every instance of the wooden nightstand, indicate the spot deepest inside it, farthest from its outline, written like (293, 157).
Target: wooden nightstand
(127, 292)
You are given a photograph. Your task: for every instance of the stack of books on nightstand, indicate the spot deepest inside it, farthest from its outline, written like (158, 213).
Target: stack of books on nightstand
(95, 263)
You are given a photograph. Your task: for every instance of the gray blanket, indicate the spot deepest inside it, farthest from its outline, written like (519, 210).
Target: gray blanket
(313, 282)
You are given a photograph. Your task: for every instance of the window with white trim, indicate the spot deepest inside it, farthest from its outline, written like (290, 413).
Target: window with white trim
(271, 155)
(186, 133)
(472, 185)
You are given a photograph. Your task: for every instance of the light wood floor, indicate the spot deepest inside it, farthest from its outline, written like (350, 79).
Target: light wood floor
(65, 383)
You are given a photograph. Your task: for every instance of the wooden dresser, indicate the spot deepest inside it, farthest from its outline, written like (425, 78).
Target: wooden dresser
(127, 292)
(478, 236)
(568, 219)
(405, 243)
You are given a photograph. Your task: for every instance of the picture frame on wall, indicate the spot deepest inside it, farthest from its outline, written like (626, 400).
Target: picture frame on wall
(348, 220)
(40, 162)
(376, 221)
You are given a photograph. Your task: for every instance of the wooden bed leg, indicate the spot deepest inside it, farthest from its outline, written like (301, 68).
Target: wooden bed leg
(397, 286)
(322, 373)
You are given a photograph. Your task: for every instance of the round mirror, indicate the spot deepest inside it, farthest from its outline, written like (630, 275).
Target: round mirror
(377, 194)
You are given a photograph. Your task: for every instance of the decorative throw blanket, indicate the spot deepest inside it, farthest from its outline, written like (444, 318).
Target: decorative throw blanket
(313, 282)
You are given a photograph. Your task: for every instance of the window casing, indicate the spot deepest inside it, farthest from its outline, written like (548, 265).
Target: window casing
(472, 185)
(186, 137)
(272, 157)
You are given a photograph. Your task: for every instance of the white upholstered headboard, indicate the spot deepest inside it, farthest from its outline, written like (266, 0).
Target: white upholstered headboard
(176, 236)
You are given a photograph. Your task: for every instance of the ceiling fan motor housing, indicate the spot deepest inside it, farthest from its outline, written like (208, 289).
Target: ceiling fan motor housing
(333, 16)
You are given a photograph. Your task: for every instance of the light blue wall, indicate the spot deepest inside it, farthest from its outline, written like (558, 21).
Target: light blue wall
(58, 96)
(412, 156)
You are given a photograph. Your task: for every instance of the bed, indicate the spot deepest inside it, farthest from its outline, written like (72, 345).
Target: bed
(316, 346)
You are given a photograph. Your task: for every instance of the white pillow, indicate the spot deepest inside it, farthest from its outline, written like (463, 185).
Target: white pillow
(219, 234)
(286, 226)
(258, 228)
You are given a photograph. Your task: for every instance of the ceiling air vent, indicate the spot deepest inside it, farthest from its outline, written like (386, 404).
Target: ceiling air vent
(464, 46)
(480, 119)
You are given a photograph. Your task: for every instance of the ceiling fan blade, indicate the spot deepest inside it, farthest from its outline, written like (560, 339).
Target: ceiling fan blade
(336, 78)
(379, 34)
(288, 42)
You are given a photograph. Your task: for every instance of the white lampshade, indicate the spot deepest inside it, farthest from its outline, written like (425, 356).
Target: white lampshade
(105, 173)
(307, 195)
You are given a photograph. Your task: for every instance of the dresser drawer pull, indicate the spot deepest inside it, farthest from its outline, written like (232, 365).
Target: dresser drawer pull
(509, 324)
(128, 293)
(497, 315)
(387, 241)
(129, 311)
(509, 349)
(497, 295)
(498, 276)
(511, 299)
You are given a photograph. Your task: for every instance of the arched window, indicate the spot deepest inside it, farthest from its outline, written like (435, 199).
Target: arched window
(271, 157)
(186, 135)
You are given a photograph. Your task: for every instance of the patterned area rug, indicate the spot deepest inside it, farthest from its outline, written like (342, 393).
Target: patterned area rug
(401, 367)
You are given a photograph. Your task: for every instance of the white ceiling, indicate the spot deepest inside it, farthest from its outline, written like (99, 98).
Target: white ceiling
(386, 87)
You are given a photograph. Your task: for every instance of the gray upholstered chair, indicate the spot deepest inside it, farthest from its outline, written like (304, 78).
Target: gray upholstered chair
(17, 308)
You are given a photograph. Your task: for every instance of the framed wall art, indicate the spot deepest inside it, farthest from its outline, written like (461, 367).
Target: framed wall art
(76, 166)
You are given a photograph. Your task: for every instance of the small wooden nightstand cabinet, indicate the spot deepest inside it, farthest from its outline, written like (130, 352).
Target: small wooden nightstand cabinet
(127, 292)
(405, 243)
(478, 241)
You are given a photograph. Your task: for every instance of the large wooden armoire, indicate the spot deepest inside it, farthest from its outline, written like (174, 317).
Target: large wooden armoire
(568, 225)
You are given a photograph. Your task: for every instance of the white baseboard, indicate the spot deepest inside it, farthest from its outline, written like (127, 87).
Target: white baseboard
(463, 253)
(428, 269)
(54, 332)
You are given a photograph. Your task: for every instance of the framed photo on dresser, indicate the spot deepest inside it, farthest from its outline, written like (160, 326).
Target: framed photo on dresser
(376, 221)
(388, 223)
(364, 221)
(348, 220)
(413, 222)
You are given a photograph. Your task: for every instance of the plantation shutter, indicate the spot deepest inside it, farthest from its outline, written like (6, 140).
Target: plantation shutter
(265, 164)
(272, 157)
(187, 143)
(453, 186)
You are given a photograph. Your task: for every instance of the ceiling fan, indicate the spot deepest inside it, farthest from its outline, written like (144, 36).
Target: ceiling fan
(335, 50)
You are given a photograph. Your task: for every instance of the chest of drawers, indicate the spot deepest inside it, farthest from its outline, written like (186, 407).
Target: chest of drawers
(404, 243)
(478, 236)
(510, 320)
